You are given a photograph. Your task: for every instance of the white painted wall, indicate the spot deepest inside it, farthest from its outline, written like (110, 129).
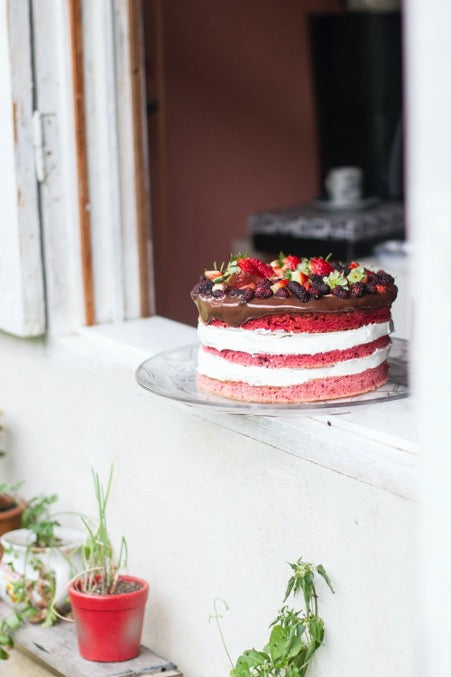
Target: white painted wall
(428, 66)
(211, 512)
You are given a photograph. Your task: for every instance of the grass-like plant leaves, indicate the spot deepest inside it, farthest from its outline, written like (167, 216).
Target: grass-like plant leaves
(101, 564)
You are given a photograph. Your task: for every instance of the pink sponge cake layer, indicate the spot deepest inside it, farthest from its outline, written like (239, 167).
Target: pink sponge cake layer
(313, 391)
(315, 322)
(298, 361)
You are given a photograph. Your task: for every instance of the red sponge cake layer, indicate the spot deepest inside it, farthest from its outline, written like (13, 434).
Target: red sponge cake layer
(297, 361)
(315, 322)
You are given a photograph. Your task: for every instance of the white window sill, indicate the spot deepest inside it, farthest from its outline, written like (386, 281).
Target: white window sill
(374, 444)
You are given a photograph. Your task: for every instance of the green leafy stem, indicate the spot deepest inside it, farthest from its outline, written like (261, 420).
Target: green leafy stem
(295, 635)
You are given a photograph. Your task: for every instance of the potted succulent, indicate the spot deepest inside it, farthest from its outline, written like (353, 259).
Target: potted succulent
(107, 606)
(38, 561)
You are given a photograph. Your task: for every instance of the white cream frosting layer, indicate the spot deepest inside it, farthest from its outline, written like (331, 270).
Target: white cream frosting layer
(287, 343)
(224, 370)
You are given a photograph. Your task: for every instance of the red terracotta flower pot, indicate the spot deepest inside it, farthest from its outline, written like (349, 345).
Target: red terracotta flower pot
(109, 627)
(10, 515)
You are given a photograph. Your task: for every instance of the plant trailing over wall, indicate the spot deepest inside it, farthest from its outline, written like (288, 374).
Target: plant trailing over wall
(295, 635)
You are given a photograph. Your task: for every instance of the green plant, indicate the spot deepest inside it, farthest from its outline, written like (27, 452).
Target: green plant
(9, 489)
(101, 564)
(33, 597)
(295, 635)
(33, 601)
(38, 518)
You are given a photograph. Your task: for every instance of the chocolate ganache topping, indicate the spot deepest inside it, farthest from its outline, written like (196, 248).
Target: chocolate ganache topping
(235, 312)
(248, 289)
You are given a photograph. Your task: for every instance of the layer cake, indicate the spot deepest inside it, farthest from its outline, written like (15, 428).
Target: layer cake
(294, 330)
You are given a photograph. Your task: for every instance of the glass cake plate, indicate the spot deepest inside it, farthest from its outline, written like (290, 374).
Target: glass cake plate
(172, 374)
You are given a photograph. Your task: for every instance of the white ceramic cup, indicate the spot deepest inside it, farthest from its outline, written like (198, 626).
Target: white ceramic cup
(344, 185)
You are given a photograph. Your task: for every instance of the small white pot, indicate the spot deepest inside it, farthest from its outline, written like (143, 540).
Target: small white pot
(17, 561)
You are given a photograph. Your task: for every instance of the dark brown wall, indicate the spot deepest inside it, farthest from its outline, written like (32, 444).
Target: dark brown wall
(235, 130)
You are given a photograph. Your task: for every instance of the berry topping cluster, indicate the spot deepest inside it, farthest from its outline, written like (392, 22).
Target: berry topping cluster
(246, 278)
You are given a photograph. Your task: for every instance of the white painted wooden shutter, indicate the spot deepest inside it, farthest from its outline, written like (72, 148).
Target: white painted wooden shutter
(22, 306)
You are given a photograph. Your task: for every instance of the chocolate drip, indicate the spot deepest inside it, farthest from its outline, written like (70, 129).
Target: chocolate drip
(234, 313)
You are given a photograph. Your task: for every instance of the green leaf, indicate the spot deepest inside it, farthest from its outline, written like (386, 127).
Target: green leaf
(289, 588)
(4, 655)
(293, 671)
(293, 647)
(316, 628)
(13, 621)
(322, 572)
(248, 661)
(252, 658)
(277, 644)
(6, 640)
(29, 612)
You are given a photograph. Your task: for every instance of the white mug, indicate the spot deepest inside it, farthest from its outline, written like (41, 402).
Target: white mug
(344, 185)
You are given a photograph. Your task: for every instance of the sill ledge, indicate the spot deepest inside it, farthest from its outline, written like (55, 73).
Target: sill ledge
(371, 444)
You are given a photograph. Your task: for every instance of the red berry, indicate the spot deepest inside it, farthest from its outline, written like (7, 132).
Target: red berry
(241, 279)
(261, 269)
(247, 266)
(292, 261)
(321, 267)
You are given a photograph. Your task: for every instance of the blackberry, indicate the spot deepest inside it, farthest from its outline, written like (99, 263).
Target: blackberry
(263, 292)
(263, 289)
(316, 279)
(247, 295)
(384, 278)
(218, 294)
(320, 289)
(299, 291)
(204, 287)
(340, 291)
(234, 292)
(282, 293)
(358, 289)
(371, 287)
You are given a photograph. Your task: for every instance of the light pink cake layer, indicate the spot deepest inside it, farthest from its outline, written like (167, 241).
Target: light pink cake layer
(299, 361)
(315, 322)
(313, 391)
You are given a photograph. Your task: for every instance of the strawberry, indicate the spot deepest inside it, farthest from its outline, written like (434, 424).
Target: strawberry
(319, 266)
(297, 276)
(261, 269)
(212, 274)
(280, 284)
(241, 279)
(291, 261)
(247, 266)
